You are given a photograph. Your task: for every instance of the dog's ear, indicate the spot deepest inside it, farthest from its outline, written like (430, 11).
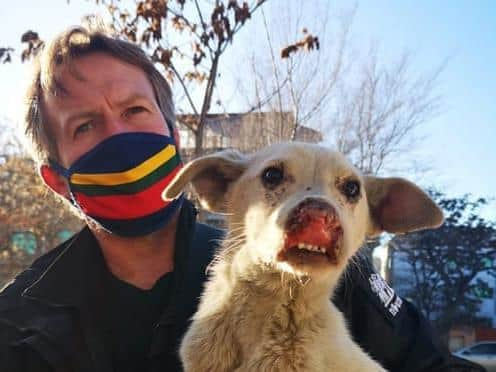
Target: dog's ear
(399, 206)
(210, 177)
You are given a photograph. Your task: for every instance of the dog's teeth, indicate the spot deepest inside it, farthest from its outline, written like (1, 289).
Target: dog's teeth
(316, 248)
(311, 248)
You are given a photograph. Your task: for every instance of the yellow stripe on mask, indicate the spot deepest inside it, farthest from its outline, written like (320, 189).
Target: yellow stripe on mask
(131, 175)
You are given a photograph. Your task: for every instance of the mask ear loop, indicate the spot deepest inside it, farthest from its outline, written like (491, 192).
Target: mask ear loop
(66, 173)
(171, 130)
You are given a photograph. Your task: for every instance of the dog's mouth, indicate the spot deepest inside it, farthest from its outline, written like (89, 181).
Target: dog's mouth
(313, 234)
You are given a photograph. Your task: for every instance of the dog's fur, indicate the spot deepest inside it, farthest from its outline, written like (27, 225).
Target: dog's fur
(261, 310)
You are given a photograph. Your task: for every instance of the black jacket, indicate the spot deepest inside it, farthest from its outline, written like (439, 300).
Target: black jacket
(48, 314)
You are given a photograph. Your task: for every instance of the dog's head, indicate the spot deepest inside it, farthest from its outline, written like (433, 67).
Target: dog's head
(303, 208)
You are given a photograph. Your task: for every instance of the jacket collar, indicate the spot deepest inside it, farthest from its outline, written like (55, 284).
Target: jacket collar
(70, 278)
(74, 277)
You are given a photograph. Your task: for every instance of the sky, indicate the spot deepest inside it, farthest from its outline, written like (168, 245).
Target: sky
(459, 142)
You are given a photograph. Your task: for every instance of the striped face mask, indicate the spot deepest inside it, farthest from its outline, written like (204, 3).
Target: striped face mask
(119, 182)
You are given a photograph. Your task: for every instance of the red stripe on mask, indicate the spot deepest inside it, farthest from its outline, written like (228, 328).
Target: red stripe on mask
(122, 207)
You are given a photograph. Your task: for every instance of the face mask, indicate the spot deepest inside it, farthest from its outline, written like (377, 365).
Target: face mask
(119, 182)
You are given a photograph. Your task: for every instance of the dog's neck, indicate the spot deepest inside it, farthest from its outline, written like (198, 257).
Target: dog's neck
(268, 284)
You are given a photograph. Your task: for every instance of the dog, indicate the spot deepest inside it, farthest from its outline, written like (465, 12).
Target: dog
(296, 214)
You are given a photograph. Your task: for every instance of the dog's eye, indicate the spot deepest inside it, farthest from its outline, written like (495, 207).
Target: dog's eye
(272, 176)
(351, 189)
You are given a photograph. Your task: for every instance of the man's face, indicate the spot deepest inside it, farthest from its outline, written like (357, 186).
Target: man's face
(107, 97)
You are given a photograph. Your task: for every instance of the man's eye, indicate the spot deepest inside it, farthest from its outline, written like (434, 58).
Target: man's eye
(83, 128)
(134, 110)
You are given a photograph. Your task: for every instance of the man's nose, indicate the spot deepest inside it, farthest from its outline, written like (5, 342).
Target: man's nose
(114, 124)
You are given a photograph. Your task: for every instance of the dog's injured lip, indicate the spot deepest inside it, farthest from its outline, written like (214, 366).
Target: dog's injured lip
(313, 235)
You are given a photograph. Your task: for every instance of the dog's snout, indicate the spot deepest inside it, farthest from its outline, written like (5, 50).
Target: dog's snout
(311, 209)
(316, 204)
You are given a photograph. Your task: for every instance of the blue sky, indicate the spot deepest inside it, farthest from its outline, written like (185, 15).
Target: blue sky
(461, 140)
(459, 143)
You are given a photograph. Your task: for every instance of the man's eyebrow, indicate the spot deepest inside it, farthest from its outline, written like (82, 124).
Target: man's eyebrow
(132, 98)
(121, 103)
(79, 116)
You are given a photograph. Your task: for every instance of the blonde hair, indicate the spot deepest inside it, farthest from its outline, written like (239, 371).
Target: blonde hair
(69, 45)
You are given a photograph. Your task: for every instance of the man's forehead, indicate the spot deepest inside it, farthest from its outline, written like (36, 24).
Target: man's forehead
(116, 79)
(83, 84)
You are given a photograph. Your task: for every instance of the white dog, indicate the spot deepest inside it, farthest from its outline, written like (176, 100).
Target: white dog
(296, 215)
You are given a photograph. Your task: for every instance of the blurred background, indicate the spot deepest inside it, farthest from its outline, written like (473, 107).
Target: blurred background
(402, 88)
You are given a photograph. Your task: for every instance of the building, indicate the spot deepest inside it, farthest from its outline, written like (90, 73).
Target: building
(395, 267)
(246, 132)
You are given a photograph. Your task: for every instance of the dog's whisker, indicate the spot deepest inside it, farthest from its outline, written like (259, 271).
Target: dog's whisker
(240, 227)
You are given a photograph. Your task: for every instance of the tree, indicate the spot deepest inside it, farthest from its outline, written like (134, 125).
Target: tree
(6, 55)
(375, 118)
(367, 106)
(185, 38)
(10, 143)
(448, 266)
(32, 221)
(293, 85)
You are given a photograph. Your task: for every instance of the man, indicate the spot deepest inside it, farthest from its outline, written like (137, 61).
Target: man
(118, 295)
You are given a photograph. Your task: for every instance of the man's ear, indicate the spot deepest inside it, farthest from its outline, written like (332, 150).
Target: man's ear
(399, 206)
(210, 177)
(54, 181)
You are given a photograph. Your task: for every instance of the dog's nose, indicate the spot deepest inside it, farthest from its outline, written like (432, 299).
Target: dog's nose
(311, 209)
(313, 225)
